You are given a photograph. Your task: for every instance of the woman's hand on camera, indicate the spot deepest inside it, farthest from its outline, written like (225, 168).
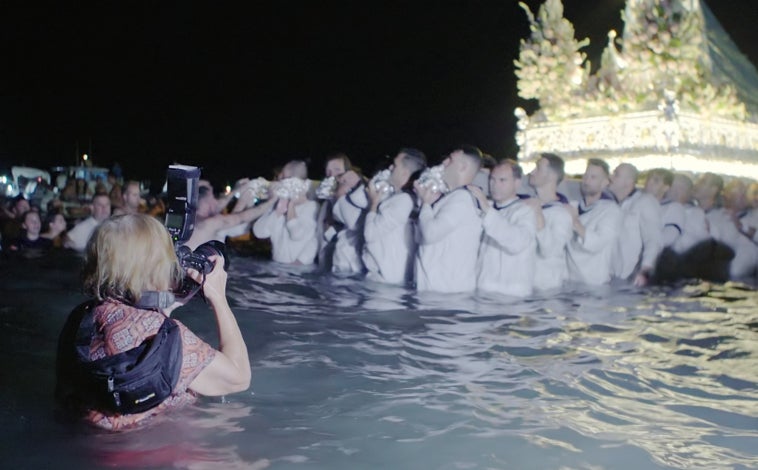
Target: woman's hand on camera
(214, 287)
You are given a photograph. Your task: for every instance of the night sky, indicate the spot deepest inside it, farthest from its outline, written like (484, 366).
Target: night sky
(238, 92)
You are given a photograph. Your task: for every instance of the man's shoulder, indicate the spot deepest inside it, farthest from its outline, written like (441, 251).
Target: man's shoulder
(400, 198)
(458, 197)
(89, 222)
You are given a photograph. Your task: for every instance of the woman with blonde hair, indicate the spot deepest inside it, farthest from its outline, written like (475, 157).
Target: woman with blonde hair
(129, 260)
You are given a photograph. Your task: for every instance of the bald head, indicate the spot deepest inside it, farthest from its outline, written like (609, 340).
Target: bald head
(623, 180)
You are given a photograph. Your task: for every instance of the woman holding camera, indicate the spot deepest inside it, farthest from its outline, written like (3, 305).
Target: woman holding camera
(128, 258)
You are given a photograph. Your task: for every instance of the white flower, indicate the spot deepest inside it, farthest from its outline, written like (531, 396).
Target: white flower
(291, 188)
(431, 179)
(326, 188)
(381, 181)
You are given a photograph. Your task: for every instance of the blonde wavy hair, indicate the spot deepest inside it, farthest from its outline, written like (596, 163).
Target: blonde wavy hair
(127, 255)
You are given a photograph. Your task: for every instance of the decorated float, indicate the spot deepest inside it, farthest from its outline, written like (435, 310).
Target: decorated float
(672, 91)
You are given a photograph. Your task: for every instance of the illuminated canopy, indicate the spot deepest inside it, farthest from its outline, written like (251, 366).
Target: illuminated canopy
(675, 93)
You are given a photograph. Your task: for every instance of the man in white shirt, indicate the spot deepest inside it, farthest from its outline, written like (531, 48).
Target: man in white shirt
(750, 221)
(291, 224)
(639, 242)
(727, 227)
(77, 237)
(554, 223)
(657, 184)
(449, 228)
(509, 247)
(695, 228)
(336, 165)
(390, 249)
(596, 223)
(349, 212)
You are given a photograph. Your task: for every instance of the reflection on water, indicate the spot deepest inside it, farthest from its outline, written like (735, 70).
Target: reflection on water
(351, 374)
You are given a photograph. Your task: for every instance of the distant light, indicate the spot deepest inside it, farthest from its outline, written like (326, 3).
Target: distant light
(85, 157)
(228, 189)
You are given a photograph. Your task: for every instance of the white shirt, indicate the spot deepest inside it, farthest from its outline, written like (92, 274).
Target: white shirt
(389, 252)
(350, 210)
(448, 243)
(673, 219)
(292, 241)
(550, 267)
(726, 231)
(751, 221)
(80, 234)
(695, 229)
(640, 239)
(508, 249)
(589, 258)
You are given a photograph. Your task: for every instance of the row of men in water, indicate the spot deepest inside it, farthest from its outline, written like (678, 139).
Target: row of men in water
(473, 233)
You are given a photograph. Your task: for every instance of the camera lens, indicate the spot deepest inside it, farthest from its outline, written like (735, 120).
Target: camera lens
(208, 249)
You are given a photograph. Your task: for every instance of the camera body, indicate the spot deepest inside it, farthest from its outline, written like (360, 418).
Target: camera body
(198, 259)
(182, 183)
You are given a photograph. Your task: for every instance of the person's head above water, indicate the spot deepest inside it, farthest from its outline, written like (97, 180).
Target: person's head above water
(461, 166)
(127, 255)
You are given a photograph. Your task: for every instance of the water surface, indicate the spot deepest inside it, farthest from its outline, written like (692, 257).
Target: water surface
(351, 374)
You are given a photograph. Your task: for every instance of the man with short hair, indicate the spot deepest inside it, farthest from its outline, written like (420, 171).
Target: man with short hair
(449, 227)
(596, 223)
(131, 199)
(554, 223)
(77, 237)
(639, 242)
(508, 248)
(390, 249)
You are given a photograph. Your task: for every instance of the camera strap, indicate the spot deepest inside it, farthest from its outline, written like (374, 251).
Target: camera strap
(155, 300)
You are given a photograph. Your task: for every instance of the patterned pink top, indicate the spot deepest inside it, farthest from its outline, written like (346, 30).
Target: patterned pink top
(122, 327)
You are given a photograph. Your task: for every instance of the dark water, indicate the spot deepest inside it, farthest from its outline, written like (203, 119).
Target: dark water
(349, 374)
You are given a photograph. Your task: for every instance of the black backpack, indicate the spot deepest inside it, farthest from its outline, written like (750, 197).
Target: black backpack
(130, 382)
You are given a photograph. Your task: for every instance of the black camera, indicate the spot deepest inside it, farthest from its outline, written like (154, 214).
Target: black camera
(182, 183)
(198, 259)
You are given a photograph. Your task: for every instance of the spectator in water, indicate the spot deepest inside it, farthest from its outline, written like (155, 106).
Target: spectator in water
(131, 199)
(55, 229)
(78, 236)
(13, 219)
(30, 243)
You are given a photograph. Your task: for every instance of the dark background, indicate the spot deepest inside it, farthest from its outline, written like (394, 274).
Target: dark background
(240, 91)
